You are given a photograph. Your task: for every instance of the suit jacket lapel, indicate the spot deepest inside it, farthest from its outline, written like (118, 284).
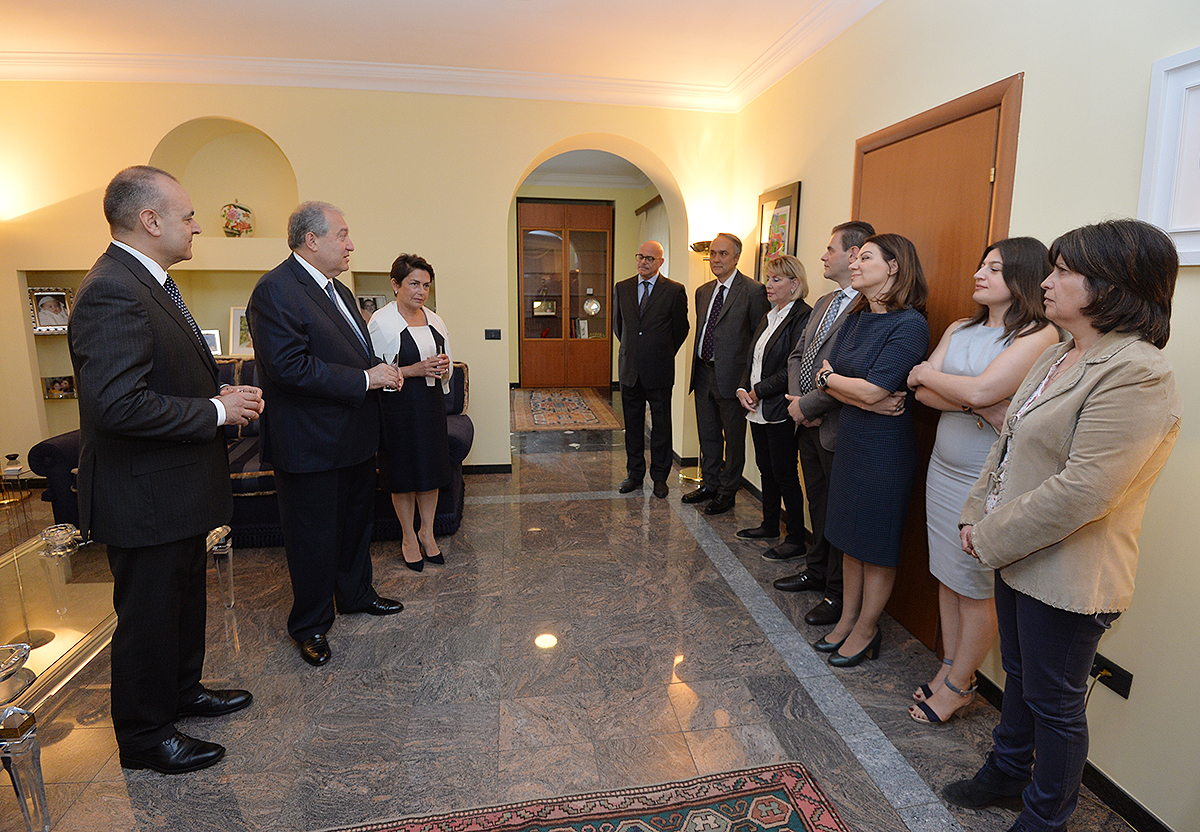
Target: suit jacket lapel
(321, 299)
(735, 290)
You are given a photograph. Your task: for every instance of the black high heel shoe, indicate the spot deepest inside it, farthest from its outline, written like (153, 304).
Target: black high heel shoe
(871, 651)
(438, 558)
(415, 565)
(824, 646)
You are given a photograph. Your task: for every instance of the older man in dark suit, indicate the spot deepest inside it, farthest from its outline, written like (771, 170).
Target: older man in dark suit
(816, 415)
(153, 470)
(650, 319)
(728, 310)
(321, 428)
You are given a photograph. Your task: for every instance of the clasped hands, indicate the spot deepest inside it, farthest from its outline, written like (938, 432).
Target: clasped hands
(435, 366)
(243, 404)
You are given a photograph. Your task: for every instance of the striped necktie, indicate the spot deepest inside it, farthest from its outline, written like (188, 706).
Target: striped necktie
(810, 354)
(329, 290)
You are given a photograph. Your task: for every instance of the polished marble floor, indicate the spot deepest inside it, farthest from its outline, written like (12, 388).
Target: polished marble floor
(674, 658)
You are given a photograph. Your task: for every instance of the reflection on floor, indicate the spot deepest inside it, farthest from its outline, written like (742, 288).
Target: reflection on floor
(674, 658)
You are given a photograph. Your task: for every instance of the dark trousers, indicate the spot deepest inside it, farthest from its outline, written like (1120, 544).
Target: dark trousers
(158, 645)
(775, 454)
(824, 560)
(721, 427)
(327, 518)
(1047, 654)
(633, 403)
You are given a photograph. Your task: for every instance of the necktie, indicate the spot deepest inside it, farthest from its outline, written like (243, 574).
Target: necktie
(645, 286)
(810, 354)
(354, 326)
(173, 291)
(706, 347)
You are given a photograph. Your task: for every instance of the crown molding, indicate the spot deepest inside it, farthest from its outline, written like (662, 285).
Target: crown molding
(826, 21)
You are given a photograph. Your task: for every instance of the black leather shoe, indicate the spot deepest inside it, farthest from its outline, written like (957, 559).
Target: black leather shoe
(660, 490)
(719, 505)
(763, 532)
(628, 484)
(699, 495)
(801, 582)
(177, 754)
(215, 703)
(784, 551)
(989, 787)
(829, 611)
(382, 606)
(315, 650)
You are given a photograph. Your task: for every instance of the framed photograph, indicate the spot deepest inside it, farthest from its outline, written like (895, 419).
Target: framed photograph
(49, 309)
(545, 308)
(239, 332)
(1170, 193)
(370, 304)
(778, 220)
(58, 387)
(212, 337)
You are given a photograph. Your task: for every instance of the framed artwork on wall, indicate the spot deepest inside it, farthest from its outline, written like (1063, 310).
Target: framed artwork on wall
(1170, 193)
(49, 309)
(368, 305)
(778, 220)
(58, 387)
(239, 332)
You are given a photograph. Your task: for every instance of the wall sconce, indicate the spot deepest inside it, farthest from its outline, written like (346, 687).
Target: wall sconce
(702, 246)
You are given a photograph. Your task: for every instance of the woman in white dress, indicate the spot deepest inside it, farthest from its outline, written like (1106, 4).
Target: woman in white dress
(976, 367)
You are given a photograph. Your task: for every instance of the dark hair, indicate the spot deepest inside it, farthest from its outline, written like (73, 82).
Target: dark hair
(733, 238)
(909, 288)
(1026, 263)
(854, 233)
(308, 216)
(406, 264)
(129, 192)
(1130, 267)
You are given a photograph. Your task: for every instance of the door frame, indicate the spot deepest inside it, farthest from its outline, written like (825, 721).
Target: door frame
(1007, 95)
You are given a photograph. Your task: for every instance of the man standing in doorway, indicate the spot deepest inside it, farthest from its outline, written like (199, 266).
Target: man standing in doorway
(728, 310)
(650, 320)
(153, 469)
(816, 415)
(320, 381)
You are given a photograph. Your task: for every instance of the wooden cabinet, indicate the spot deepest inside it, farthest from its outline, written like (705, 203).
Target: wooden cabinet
(564, 252)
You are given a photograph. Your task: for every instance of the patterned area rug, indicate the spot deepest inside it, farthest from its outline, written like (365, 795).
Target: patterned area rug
(553, 409)
(780, 798)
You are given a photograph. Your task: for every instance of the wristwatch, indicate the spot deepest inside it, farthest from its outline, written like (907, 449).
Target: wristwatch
(823, 379)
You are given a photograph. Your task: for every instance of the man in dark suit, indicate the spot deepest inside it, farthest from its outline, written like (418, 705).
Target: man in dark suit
(153, 470)
(650, 319)
(728, 310)
(321, 428)
(816, 415)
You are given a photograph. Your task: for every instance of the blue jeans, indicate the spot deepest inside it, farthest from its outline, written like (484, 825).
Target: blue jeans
(1047, 654)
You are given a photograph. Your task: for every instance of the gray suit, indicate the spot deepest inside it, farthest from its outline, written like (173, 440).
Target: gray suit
(720, 417)
(153, 481)
(816, 445)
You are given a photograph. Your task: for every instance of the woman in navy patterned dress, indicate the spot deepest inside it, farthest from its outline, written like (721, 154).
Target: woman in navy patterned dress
(875, 464)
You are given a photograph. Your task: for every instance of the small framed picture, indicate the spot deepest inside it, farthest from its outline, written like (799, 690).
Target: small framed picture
(49, 309)
(239, 332)
(368, 305)
(212, 337)
(58, 387)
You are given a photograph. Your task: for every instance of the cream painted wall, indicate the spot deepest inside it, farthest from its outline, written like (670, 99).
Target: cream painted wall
(1083, 120)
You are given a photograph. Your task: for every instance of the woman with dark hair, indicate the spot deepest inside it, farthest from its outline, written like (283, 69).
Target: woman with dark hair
(1059, 505)
(415, 339)
(875, 463)
(970, 376)
(762, 394)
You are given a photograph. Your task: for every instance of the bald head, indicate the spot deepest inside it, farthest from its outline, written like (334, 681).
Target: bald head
(649, 259)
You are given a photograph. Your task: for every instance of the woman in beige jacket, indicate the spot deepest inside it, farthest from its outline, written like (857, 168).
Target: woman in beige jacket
(1059, 505)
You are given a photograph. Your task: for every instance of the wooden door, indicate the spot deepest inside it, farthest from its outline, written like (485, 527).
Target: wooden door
(944, 180)
(564, 255)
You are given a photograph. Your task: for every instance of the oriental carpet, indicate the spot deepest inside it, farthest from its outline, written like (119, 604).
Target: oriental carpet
(561, 409)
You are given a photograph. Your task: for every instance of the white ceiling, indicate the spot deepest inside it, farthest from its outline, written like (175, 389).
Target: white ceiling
(695, 54)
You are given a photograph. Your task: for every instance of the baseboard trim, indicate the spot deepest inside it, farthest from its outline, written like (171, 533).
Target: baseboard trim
(487, 469)
(1108, 792)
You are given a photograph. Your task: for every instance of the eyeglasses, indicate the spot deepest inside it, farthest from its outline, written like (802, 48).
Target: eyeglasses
(648, 258)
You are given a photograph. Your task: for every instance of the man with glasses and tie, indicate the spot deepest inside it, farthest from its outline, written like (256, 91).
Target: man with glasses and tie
(650, 320)
(816, 416)
(728, 310)
(320, 380)
(153, 470)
